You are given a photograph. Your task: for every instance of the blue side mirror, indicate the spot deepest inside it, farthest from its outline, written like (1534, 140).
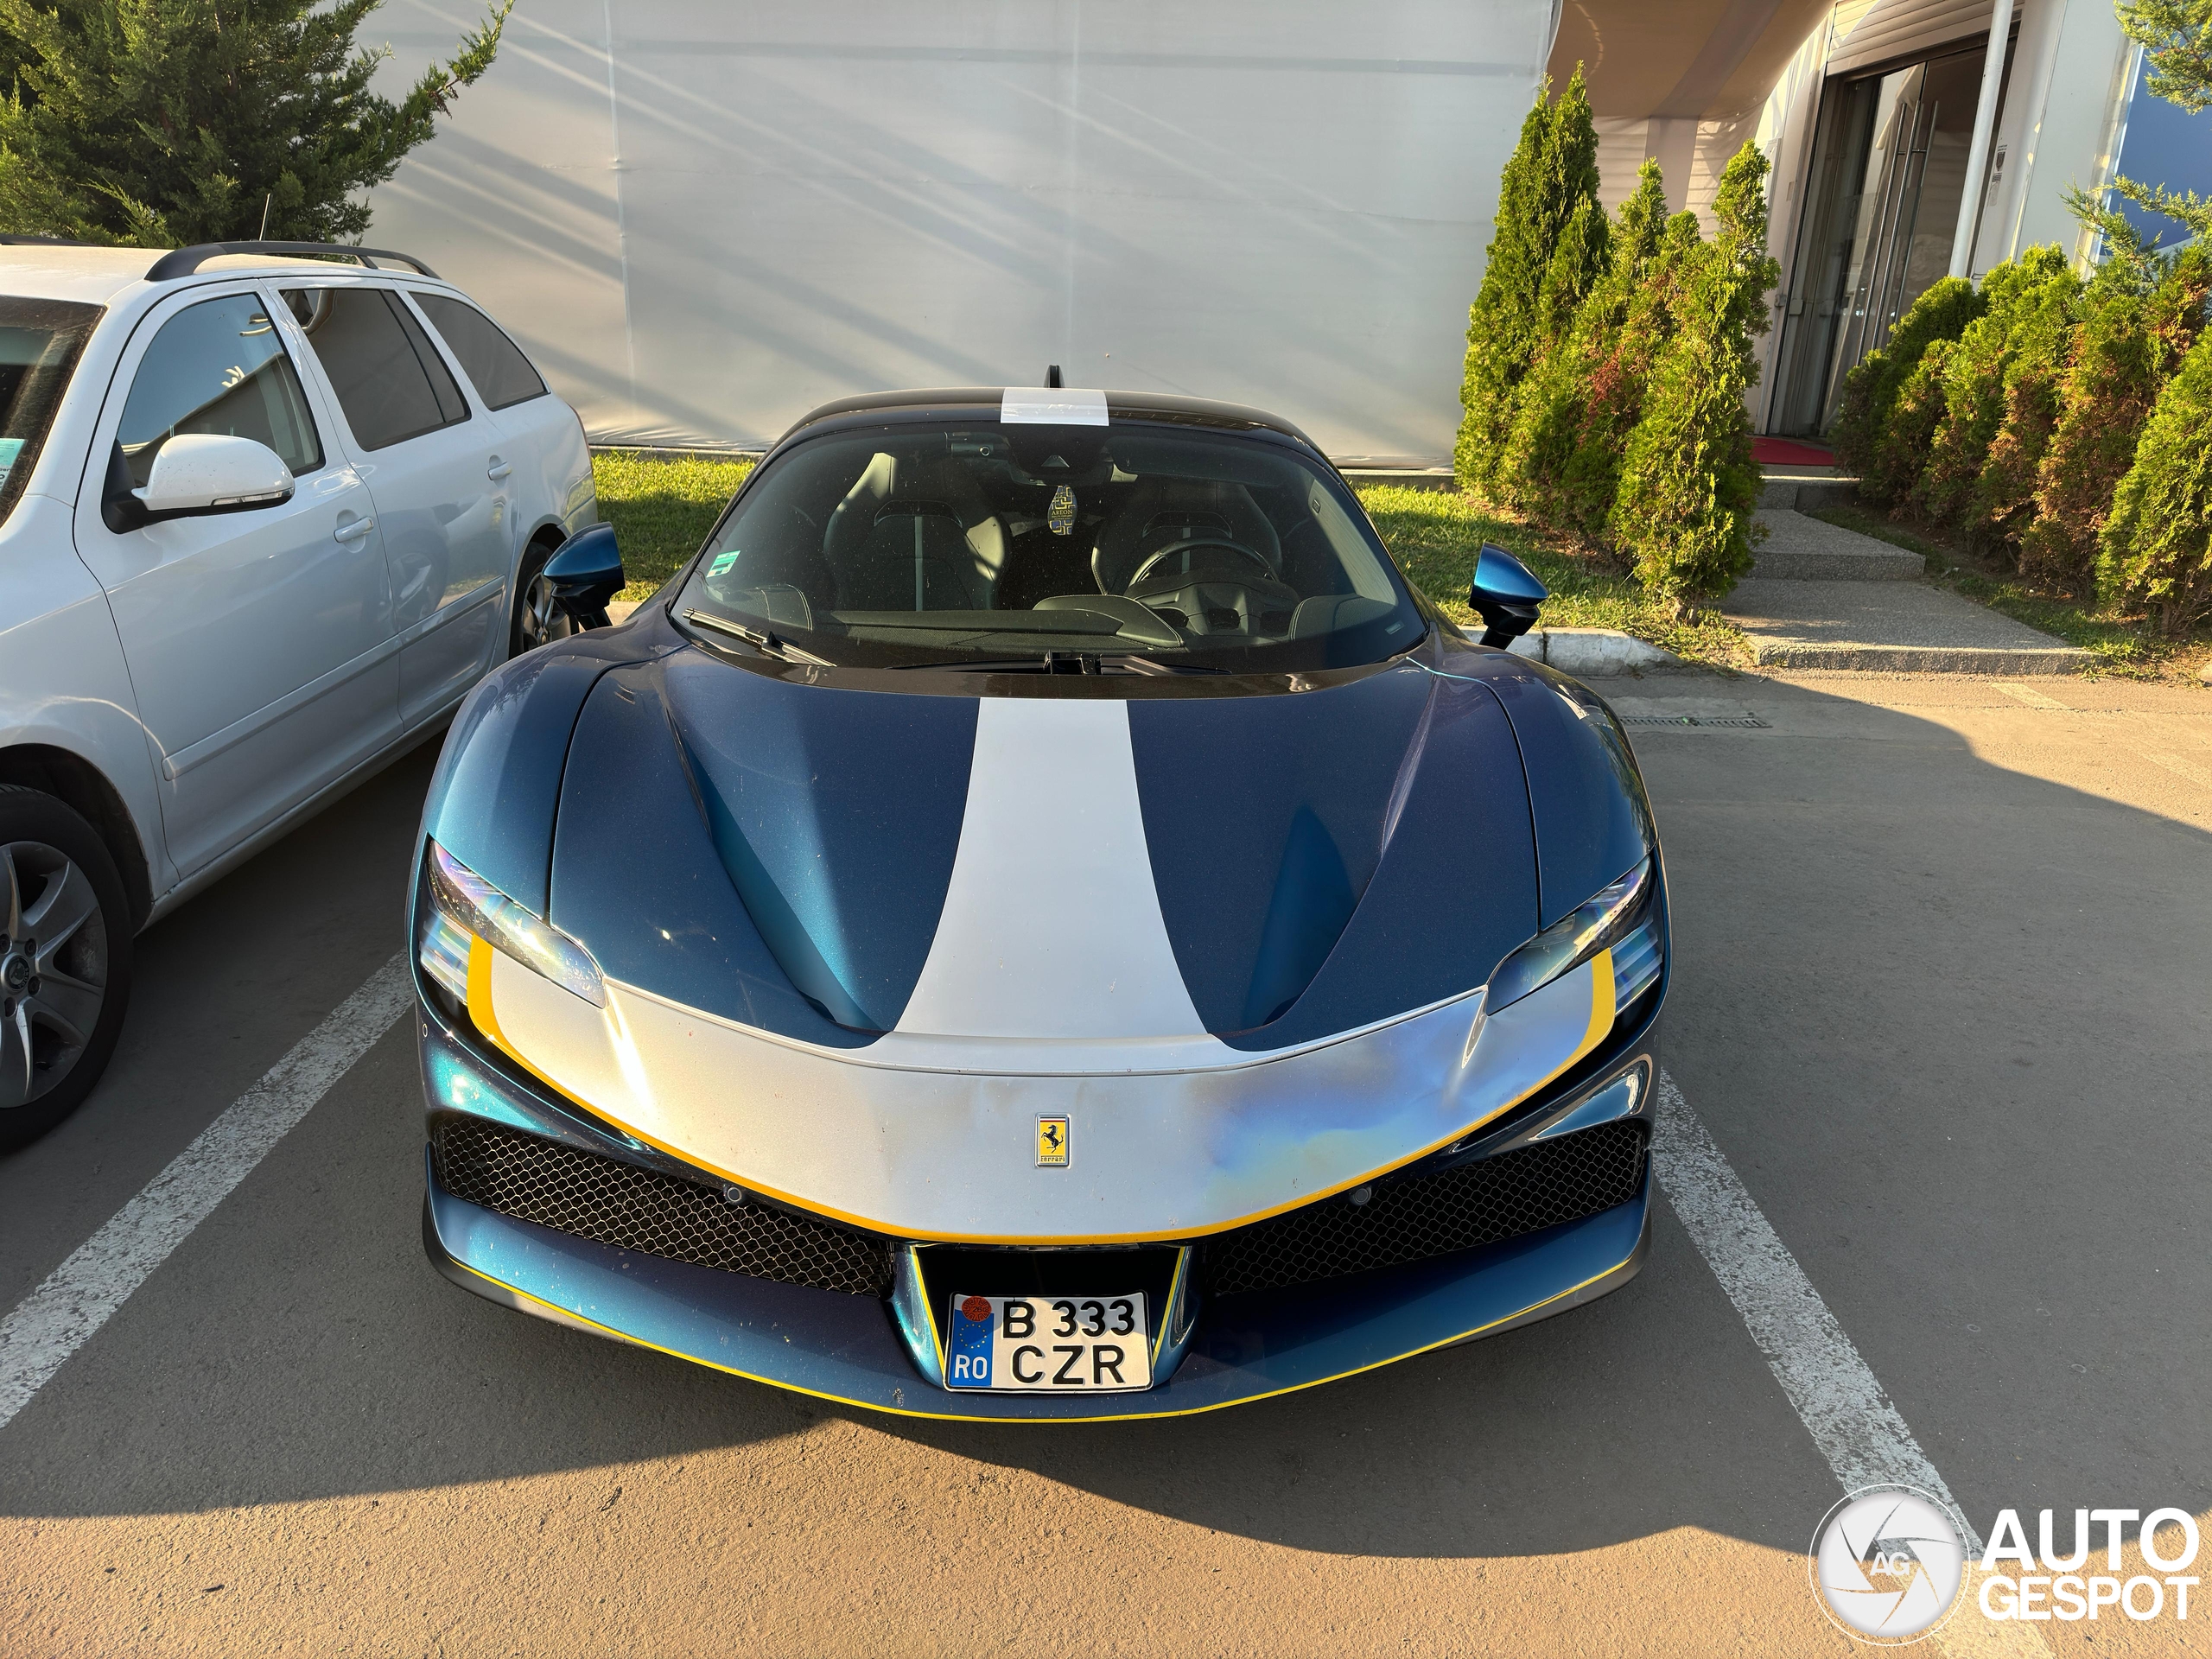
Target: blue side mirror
(586, 573)
(1505, 593)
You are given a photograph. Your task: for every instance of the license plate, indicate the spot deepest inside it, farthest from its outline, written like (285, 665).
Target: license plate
(1068, 1344)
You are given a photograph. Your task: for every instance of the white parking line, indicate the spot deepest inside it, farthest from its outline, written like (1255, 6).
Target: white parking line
(76, 1299)
(1858, 1431)
(2028, 695)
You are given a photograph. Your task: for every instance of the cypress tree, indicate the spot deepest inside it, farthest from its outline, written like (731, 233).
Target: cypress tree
(1689, 485)
(171, 122)
(1620, 382)
(2001, 502)
(1555, 397)
(1973, 380)
(2127, 346)
(2156, 549)
(1870, 390)
(1551, 174)
(1901, 443)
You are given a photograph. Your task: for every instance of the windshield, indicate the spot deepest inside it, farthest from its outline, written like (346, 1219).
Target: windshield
(961, 545)
(39, 343)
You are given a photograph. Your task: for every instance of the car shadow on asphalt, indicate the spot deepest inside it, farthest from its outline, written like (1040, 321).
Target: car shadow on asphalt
(1943, 1017)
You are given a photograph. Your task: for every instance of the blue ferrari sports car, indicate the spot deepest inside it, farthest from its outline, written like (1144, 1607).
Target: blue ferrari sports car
(1039, 918)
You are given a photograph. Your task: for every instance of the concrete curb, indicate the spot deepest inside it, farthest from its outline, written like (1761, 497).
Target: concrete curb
(1922, 659)
(1796, 494)
(1408, 477)
(1589, 650)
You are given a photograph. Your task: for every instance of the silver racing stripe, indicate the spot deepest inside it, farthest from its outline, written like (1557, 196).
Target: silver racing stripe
(1052, 927)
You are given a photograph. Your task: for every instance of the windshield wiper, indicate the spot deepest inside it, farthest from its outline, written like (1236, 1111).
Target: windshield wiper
(767, 643)
(1136, 663)
(1069, 662)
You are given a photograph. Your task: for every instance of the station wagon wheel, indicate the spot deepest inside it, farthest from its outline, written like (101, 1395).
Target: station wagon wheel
(65, 962)
(537, 619)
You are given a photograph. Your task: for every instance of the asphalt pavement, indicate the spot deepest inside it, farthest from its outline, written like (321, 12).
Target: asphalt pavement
(1939, 1000)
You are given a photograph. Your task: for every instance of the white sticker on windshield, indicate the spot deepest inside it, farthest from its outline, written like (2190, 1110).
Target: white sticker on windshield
(1056, 406)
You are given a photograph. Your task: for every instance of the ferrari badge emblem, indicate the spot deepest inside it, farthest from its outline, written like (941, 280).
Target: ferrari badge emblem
(1052, 1143)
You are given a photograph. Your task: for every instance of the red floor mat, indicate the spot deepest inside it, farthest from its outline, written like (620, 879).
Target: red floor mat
(1787, 452)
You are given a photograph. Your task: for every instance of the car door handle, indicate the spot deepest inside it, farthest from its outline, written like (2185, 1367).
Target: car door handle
(351, 529)
(497, 470)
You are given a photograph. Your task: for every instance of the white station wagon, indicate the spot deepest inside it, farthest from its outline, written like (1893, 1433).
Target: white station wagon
(264, 519)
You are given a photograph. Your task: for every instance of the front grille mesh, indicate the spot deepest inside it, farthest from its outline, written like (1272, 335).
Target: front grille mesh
(635, 1209)
(1424, 1216)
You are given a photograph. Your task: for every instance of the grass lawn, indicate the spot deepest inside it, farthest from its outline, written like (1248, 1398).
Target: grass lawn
(1436, 535)
(661, 510)
(2120, 644)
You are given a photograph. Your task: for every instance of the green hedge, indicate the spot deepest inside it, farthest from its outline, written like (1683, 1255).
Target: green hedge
(2063, 424)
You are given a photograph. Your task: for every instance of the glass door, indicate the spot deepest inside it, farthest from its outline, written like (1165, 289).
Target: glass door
(1887, 179)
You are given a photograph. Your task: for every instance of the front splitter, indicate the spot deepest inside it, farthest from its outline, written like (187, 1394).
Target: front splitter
(846, 1348)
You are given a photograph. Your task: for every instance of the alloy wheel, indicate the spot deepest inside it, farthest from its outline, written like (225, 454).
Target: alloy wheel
(54, 969)
(542, 620)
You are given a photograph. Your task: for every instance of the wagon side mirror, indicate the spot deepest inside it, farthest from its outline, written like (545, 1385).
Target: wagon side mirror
(193, 473)
(586, 573)
(1506, 594)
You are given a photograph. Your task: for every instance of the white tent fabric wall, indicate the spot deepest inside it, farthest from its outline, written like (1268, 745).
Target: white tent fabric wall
(703, 218)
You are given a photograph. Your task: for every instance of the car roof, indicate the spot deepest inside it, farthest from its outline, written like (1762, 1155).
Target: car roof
(964, 403)
(56, 270)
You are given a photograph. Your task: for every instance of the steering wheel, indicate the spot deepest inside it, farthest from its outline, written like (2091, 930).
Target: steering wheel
(1266, 571)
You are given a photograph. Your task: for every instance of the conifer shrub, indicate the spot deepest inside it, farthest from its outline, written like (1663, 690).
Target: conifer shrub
(2127, 344)
(170, 122)
(1901, 446)
(1619, 381)
(1551, 174)
(1556, 396)
(1870, 390)
(2155, 549)
(2001, 504)
(1973, 383)
(1689, 485)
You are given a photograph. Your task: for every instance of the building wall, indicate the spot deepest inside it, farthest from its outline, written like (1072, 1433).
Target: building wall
(703, 217)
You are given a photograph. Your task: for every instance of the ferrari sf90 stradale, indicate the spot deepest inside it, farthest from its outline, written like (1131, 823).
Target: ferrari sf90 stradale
(1039, 918)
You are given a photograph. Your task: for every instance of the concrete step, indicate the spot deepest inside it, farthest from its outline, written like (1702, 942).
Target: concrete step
(1888, 627)
(1803, 487)
(1798, 549)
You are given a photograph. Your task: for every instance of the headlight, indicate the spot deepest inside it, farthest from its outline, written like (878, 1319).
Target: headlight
(460, 910)
(1625, 916)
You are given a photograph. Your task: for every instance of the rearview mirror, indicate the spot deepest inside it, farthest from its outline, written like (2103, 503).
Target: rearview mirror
(1506, 594)
(212, 472)
(586, 573)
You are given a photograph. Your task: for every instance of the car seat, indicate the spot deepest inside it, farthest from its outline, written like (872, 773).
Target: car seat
(915, 534)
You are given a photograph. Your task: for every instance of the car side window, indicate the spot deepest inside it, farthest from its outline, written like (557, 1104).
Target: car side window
(493, 364)
(217, 366)
(389, 379)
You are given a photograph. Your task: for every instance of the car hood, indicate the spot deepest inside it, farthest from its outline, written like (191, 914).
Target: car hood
(1097, 867)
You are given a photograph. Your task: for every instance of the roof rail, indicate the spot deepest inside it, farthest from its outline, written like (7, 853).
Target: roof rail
(183, 262)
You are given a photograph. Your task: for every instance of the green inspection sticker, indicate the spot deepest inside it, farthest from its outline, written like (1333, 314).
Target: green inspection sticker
(723, 562)
(10, 449)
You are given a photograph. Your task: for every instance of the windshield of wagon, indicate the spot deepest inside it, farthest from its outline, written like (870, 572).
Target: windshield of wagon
(916, 545)
(39, 343)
